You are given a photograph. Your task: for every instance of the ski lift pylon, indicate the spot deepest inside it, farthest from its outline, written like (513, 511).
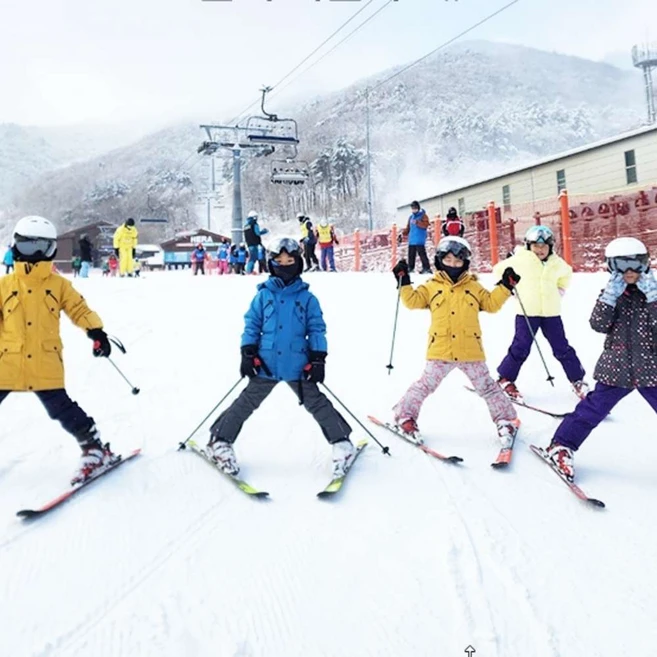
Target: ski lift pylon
(289, 172)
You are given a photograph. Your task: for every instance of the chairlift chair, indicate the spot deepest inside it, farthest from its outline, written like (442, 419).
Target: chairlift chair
(289, 172)
(262, 130)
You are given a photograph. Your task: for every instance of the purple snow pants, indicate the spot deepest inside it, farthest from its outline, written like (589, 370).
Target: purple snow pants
(552, 328)
(594, 408)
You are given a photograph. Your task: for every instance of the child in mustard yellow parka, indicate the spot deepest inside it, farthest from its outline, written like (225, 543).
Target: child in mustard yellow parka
(455, 297)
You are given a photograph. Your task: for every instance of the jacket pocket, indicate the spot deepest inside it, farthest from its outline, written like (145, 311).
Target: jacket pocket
(10, 363)
(53, 348)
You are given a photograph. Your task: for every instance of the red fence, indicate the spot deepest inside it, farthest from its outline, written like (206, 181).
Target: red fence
(583, 225)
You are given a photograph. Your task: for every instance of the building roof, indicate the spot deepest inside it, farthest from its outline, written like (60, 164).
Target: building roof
(545, 160)
(188, 237)
(81, 229)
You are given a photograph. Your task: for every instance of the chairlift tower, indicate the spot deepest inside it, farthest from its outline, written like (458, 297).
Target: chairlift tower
(645, 58)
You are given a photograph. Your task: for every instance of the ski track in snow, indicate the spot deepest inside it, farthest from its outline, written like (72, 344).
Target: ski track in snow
(413, 558)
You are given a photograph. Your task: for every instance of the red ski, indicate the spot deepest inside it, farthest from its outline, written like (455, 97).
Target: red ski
(574, 488)
(427, 450)
(27, 514)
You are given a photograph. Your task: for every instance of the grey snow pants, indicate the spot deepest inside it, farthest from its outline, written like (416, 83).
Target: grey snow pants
(229, 424)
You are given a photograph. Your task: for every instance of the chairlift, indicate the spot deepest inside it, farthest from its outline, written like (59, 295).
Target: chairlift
(289, 172)
(269, 128)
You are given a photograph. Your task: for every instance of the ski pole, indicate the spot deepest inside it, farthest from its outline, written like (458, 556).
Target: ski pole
(203, 421)
(550, 378)
(384, 448)
(394, 331)
(135, 390)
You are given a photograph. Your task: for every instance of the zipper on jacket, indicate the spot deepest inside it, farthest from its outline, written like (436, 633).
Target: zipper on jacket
(50, 294)
(10, 297)
(434, 296)
(473, 296)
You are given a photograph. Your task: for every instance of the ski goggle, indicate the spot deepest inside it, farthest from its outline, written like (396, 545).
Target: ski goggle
(455, 248)
(637, 263)
(540, 235)
(290, 246)
(31, 246)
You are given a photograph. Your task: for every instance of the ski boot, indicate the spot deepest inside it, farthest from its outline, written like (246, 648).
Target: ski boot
(343, 455)
(223, 454)
(580, 388)
(95, 457)
(510, 390)
(562, 458)
(410, 429)
(506, 432)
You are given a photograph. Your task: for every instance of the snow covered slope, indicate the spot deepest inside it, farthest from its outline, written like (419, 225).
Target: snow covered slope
(164, 558)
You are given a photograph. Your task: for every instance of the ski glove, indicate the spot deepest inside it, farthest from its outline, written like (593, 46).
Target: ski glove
(134, 253)
(116, 253)
(102, 346)
(615, 287)
(509, 279)
(401, 272)
(314, 371)
(648, 285)
(251, 363)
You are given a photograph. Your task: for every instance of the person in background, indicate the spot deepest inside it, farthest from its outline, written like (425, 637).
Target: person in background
(308, 242)
(125, 245)
(137, 268)
(113, 263)
(252, 236)
(262, 259)
(76, 265)
(85, 255)
(326, 238)
(198, 259)
(233, 258)
(8, 260)
(106, 268)
(223, 255)
(452, 226)
(416, 231)
(242, 255)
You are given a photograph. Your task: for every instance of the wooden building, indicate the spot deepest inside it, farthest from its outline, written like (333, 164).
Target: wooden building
(101, 234)
(178, 250)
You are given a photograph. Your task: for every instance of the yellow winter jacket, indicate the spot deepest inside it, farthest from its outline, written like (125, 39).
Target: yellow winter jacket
(31, 300)
(455, 334)
(540, 281)
(125, 237)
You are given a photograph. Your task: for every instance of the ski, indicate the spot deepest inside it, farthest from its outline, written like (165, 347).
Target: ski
(503, 459)
(554, 414)
(336, 484)
(540, 452)
(28, 514)
(240, 483)
(427, 450)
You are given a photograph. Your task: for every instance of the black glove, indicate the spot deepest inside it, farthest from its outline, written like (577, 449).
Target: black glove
(509, 279)
(102, 346)
(400, 270)
(134, 253)
(116, 252)
(250, 365)
(314, 371)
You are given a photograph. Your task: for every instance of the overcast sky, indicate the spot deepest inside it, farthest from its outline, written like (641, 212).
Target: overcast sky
(67, 61)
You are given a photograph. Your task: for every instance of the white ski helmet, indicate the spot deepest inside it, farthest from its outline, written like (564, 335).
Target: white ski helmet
(627, 254)
(323, 223)
(458, 246)
(34, 239)
(253, 214)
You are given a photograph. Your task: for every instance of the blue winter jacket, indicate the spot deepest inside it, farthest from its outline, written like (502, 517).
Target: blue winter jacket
(286, 323)
(222, 252)
(242, 255)
(199, 254)
(9, 258)
(416, 236)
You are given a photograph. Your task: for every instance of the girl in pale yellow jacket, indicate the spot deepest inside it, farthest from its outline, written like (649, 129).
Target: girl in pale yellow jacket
(545, 277)
(455, 297)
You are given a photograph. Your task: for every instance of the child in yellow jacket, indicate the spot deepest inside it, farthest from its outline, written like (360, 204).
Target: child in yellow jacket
(455, 297)
(545, 277)
(31, 299)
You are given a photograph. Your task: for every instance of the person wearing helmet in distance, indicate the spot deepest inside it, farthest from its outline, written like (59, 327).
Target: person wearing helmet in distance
(253, 237)
(626, 312)
(31, 300)
(125, 245)
(455, 297)
(545, 277)
(284, 339)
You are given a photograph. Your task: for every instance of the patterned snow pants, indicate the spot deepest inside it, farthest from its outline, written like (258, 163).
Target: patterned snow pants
(499, 406)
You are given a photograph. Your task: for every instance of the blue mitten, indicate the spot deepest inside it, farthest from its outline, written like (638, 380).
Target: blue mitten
(648, 285)
(615, 287)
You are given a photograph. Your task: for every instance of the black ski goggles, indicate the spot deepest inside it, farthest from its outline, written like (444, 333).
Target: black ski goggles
(637, 263)
(287, 244)
(455, 248)
(31, 246)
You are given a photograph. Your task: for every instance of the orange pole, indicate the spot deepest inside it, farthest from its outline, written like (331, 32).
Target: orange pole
(393, 238)
(436, 230)
(357, 250)
(565, 227)
(492, 227)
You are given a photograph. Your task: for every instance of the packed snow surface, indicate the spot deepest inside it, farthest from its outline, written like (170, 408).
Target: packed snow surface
(415, 558)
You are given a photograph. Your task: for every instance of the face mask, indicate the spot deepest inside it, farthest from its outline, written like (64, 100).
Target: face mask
(454, 272)
(287, 273)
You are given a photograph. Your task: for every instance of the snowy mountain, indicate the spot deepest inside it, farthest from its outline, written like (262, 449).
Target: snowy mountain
(469, 110)
(416, 558)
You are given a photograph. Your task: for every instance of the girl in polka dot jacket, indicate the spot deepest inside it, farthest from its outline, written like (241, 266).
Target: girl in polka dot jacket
(626, 312)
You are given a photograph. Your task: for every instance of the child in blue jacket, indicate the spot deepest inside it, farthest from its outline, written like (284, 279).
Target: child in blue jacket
(284, 339)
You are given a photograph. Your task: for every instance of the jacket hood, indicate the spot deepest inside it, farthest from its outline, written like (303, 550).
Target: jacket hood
(36, 270)
(442, 278)
(276, 285)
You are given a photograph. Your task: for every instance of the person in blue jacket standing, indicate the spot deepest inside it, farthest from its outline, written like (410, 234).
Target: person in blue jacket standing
(284, 339)
(252, 236)
(8, 260)
(416, 230)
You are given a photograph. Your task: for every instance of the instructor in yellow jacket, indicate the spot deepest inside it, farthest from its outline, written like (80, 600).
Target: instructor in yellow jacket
(125, 245)
(31, 300)
(545, 277)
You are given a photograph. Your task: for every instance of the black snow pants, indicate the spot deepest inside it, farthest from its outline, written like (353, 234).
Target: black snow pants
(228, 425)
(420, 251)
